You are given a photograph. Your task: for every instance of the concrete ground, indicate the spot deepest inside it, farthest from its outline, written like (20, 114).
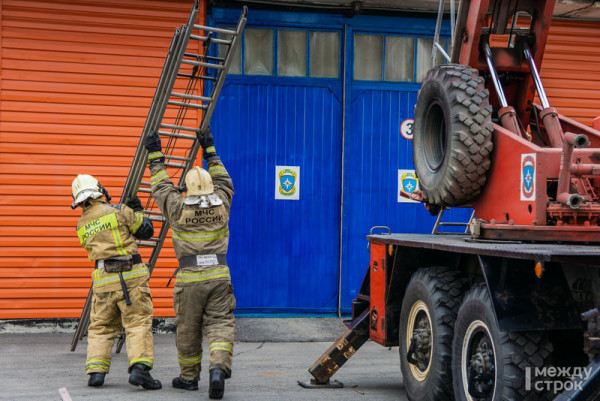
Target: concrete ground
(270, 356)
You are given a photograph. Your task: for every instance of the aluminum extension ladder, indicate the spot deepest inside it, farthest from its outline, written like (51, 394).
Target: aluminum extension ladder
(167, 117)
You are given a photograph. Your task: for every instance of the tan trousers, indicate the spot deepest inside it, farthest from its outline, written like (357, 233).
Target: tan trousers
(109, 315)
(209, 303)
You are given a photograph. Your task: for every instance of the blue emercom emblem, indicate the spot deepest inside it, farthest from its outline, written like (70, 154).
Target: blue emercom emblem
(409, 182)
(287, 181)
(528, 171)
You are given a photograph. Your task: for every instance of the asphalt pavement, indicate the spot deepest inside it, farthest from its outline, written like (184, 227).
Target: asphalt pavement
(270, 356)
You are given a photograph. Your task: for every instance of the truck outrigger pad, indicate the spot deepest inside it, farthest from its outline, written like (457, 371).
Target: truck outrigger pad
(336, 356)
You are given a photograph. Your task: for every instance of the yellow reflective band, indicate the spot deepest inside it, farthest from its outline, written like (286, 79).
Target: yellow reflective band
(217, 170)
(115, 277)
(211, 149)
(158, 177)
(118, 241)
(221, 349)
(212, 274)
(105, 365)
(203, 236)
(95, 226)
(221, 345)
(139, 218)
(155, 155)
(147, 362)
(192, 360)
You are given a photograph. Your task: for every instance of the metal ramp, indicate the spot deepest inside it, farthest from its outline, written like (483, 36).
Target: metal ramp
(174, 114)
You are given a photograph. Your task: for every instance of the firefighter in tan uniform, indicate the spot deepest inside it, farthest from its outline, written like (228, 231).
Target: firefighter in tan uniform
(121, 296)
(203, 294)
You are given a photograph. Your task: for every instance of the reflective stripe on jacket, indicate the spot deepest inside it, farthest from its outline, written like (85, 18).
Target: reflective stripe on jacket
(106, 230)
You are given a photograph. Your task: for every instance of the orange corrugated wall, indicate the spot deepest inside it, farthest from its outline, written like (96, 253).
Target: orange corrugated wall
(76, 81)
(571, 69)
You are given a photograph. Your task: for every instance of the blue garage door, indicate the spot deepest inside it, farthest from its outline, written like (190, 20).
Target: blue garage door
(387, 71)
(282, 106)
(326, 95)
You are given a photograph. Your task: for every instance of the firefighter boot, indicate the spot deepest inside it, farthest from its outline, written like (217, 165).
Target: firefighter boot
(217, 384)
(140, 376)
(96, 379)
(180, 382)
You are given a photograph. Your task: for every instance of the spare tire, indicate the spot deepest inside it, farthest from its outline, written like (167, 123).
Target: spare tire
(453, 135)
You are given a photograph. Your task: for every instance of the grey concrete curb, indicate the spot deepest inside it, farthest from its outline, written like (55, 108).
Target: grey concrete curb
(267, 329)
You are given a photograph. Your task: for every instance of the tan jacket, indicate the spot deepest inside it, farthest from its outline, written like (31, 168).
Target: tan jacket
(107, 231)
(196, 230)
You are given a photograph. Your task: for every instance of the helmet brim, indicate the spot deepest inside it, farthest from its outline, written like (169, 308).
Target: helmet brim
(84, 195)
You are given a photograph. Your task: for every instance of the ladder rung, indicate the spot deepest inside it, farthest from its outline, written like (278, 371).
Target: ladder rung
(145, 183)
(201, 64)
(181, 159)
(206, 78)
(192, 97)
(196, 76)
(175, 165)
(454, 224)
(202, 57)
(212, 40)
(215, 30)
(145, 190)
(153, 212)
(179, 127)
(146, 243)
(176, 135)
(156, 218)
(190, 105)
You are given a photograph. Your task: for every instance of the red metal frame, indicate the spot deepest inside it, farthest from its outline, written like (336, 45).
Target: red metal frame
(544, 182)
(541, 213)
(483, 20)
(378, 290)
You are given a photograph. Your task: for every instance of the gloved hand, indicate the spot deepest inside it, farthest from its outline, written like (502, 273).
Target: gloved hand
(135, 204)
(152, 143)
(208, 144)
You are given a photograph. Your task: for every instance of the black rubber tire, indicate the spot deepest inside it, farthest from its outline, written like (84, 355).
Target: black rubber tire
(452, 140)
(515, 351)
(440, 291)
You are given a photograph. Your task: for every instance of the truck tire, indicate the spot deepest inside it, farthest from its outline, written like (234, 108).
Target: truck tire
(429, 309)
(452, 140)
(489, 364)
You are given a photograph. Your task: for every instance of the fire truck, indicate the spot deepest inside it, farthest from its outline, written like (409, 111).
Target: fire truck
(509, 309)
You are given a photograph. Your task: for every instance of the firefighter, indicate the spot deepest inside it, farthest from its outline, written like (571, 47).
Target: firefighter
(203, 294)
(121, 296)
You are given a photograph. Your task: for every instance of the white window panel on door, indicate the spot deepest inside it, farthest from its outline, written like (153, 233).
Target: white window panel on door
(324, 54)
(399, 58)
(368, 57)
(258, 52)
(291, 53)
(424, 60)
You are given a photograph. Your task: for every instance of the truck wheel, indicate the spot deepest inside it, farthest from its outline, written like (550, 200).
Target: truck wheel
(489, 364)
(452, 140)
(427, 317)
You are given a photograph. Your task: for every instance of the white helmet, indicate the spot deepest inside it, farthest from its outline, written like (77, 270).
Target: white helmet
(85, 187)
(198, 182)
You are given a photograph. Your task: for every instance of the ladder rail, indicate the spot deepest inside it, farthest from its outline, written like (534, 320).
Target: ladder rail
(141, 152)
(216, 90)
